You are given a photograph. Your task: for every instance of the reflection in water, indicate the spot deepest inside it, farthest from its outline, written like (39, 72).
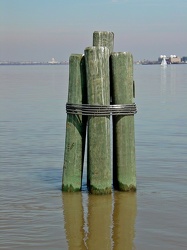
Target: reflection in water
(168, 82)
(124, 217)
(99, 222)
(107, 223)
(73, 220)
(163, 82)
(173, 79)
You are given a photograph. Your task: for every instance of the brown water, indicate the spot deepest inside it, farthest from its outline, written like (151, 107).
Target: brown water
(35, 214)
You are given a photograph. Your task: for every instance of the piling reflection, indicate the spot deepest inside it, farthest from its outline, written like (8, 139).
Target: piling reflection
(73, 220)
(100, 222)
(124, 218)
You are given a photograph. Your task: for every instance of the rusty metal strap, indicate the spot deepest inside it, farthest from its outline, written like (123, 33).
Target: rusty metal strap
(101, 110)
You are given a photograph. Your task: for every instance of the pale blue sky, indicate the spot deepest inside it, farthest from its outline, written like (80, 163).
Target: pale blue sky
(41, 29)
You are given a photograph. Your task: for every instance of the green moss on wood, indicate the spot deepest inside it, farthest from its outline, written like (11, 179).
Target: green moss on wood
(125, 187)
(70, 188)
(98, 191)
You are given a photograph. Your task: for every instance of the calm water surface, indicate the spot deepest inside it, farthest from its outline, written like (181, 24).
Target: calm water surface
(35, 214)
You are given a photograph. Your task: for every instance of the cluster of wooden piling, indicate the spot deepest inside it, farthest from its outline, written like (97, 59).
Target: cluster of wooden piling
(98, 80)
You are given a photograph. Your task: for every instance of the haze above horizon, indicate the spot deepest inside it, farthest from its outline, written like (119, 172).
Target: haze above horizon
(39, 30)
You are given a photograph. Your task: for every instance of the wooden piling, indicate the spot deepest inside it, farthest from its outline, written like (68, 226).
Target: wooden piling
(124, 169)
(104, 38)
(98, 91)
(75, 126)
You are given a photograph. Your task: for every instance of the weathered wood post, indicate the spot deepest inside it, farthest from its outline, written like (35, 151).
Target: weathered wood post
(124, 169)
(98, 91)
(104, 38)
(75, 126)
(91, 79)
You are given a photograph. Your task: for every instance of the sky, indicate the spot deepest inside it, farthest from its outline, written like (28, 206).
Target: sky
(38, 30)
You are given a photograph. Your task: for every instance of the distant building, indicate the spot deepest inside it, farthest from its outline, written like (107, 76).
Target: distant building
(53, 61)
(184, 59)
(174, 59)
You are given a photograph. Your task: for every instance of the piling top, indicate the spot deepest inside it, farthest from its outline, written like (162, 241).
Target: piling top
(121, 53)
(104, 32)
(104, 38)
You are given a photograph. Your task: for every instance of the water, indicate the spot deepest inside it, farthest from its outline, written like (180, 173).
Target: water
(34, 214)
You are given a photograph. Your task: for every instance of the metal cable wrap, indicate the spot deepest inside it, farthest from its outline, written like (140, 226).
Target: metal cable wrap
(101, 110)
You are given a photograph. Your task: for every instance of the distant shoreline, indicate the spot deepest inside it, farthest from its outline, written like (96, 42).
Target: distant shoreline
(67, 63)
(156, 63)
(31, 63)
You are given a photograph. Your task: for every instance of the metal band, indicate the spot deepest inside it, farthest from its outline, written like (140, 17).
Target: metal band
(101, 110)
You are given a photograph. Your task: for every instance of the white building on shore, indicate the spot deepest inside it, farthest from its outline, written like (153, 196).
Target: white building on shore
(53, 61)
